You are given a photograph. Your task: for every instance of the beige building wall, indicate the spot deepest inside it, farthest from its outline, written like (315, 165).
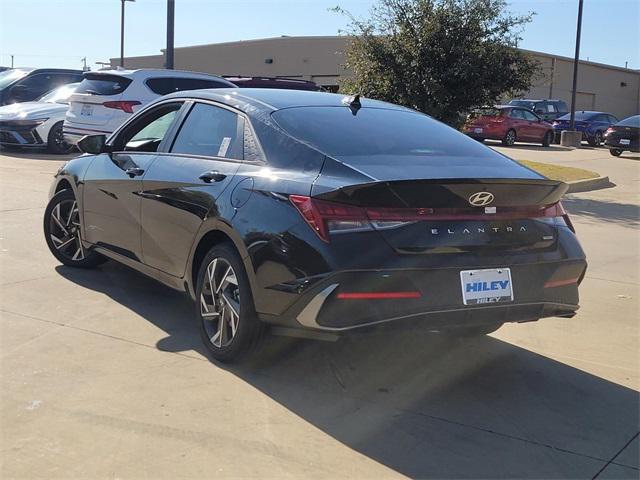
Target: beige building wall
(600, 87)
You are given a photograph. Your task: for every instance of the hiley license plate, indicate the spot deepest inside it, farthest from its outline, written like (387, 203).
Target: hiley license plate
(477, 130)
(625, 141)
(486, 286)
(87, 110)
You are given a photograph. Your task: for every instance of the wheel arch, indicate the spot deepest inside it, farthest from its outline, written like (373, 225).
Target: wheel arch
(209, 236)
(63, 184)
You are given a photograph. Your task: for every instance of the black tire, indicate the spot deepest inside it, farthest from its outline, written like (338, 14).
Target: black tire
(509, 138)
(62, 233)
(596, 140)
(547, 139)
(616, 152)
(55, 141)
(474, 330)
(231, 305)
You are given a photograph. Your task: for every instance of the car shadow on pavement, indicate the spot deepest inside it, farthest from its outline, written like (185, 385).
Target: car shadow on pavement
(623, 213)
(39, 154)
(424, 405)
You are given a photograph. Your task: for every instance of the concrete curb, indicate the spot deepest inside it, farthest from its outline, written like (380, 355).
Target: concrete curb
(589, 184)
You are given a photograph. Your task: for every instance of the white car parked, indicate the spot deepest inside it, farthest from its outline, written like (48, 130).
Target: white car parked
(37, 123)
(105, 99)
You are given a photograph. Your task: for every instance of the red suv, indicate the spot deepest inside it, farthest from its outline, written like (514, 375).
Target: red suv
(509, 124)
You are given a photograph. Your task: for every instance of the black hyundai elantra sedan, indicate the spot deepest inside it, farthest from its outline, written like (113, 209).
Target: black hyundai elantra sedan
(315, 215)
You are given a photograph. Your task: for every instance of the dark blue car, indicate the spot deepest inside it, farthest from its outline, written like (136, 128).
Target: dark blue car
(591, 124)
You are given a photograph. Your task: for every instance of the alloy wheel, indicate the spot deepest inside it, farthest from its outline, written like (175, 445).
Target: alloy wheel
(598, 139)
(220, 303)
(64, 230)
(511, 137)
(58, 139)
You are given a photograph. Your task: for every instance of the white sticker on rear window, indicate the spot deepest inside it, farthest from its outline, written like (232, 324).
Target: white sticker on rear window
(224, 146)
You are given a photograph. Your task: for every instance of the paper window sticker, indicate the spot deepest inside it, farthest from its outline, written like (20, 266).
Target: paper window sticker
(224, 146)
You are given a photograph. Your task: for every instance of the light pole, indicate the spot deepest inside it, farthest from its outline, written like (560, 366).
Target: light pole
(571, 138)
(171, 9)
(122, 31)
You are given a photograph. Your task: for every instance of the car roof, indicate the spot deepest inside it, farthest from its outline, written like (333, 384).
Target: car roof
(155, 72)
(537, 100)
(44, 70)
(271, 99)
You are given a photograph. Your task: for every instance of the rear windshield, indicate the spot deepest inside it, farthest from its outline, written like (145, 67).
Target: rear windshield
(97, 84)
(486, 112)
(375, 132)
(165, 85)
(60, 94)
(630, 122)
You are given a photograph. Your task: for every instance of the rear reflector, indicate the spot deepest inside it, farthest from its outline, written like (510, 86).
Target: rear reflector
(378, 295)
(124, 105)
(328, 217)
(560, 283)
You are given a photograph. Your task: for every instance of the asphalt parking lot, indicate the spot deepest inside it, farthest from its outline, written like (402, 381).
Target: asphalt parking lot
(103, 375)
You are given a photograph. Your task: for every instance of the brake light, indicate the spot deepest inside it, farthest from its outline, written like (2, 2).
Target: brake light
(326, 217)
(124, 105)
(609, 130)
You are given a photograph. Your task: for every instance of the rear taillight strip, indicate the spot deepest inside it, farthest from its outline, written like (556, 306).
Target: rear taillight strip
(124, 105)
(325, 217)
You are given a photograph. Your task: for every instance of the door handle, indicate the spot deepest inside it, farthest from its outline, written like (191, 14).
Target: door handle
(134, 172)
(213, 176)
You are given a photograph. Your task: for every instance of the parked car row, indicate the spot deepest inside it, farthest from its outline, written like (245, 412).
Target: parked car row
(99, 103)
(542, 121)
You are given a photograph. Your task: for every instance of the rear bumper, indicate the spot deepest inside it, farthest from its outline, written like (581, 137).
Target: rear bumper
(615, 144)
(487, 133)
(539, 290)
(73, 134)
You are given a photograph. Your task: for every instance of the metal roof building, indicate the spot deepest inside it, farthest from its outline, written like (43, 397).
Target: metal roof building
(600, 87)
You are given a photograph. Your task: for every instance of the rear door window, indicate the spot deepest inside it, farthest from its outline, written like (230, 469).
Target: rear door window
(166, 85)
(97, 84)
(210, 131)
(517, 113)
(529, 116)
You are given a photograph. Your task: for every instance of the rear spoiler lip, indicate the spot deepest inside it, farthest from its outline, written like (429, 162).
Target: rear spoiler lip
(344, 193)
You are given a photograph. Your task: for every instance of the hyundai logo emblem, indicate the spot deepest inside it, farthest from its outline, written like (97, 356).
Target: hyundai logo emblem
(480, 199)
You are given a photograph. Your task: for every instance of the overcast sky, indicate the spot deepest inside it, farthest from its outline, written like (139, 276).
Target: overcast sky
(58, 33)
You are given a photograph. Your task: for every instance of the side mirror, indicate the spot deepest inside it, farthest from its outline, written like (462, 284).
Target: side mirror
(94, 144)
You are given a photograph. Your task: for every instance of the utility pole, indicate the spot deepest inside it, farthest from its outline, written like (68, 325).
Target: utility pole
(572, 121)
(171, 10)
(570, 137)
(11, 61)
(122, 30)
